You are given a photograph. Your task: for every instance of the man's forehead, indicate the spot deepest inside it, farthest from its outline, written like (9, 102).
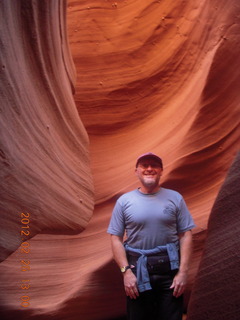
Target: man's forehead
(149, 160)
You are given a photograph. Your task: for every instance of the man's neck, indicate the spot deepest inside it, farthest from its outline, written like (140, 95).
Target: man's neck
(146, 190)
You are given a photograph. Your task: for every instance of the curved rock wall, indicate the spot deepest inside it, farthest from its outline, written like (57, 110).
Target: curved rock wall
(44, 146)
(157, 76)
(159, 73)
(46, 183)
(215, 294)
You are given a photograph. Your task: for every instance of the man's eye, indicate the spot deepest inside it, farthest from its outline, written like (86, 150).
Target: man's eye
(148, 165)
(145, 166)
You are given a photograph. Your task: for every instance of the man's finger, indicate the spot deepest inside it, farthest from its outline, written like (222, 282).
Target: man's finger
(132, 293)
(178, 291)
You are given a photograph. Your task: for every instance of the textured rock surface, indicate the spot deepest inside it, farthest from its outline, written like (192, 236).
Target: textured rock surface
(216, 294)
(44, 146)
(151, 75)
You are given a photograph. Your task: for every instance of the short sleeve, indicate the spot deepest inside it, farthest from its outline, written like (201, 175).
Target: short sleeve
(117, 222)
(184, 219)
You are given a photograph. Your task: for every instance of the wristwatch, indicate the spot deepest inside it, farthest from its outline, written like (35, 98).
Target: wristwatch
(125, 268)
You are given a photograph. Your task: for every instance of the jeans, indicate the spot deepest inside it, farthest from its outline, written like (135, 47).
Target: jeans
(158, 303)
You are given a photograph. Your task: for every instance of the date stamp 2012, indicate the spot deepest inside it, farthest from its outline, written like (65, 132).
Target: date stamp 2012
(25, 265)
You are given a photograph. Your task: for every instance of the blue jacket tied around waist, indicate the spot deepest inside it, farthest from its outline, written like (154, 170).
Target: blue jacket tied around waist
(143, 279)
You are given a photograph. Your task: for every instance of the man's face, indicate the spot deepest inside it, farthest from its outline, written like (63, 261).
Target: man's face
(149, 172)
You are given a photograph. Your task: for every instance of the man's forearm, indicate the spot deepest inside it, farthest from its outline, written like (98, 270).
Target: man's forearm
(119, 253)
(185, 250)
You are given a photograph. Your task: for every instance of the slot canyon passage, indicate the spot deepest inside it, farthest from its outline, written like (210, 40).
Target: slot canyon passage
(87, 86)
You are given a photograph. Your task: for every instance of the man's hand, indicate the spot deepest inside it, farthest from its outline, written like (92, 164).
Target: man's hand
(179, 284)
(130, 284)
(129, 279)
(180, 280)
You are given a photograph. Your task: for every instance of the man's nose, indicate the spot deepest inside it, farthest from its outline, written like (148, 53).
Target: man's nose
(149, 167)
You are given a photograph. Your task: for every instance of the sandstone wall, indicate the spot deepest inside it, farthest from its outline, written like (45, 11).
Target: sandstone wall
(160, 76)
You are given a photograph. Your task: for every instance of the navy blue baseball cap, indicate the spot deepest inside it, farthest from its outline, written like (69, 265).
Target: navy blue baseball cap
(150, 155)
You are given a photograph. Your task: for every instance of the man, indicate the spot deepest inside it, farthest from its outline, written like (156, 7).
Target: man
(154, 258)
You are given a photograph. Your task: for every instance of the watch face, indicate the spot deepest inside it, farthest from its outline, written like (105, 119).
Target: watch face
(123, 269)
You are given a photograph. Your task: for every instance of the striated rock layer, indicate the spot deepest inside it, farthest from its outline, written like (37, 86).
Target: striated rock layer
(44, 146)
(215, 293)
(46, 183)
(159, 76)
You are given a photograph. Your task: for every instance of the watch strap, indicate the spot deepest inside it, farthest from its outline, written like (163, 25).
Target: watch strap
(125, 268)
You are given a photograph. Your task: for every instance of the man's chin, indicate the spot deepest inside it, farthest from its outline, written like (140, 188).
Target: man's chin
(150, 182)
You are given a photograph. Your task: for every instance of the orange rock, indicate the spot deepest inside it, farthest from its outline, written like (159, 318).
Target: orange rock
(141, 76)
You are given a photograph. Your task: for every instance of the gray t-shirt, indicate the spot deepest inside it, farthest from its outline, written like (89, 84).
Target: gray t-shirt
(150, 220)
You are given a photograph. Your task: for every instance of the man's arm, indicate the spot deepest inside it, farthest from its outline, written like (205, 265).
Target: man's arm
(129, 279)
(180, 280)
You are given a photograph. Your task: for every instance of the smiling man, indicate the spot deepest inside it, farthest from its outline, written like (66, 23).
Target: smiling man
(154, 258)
